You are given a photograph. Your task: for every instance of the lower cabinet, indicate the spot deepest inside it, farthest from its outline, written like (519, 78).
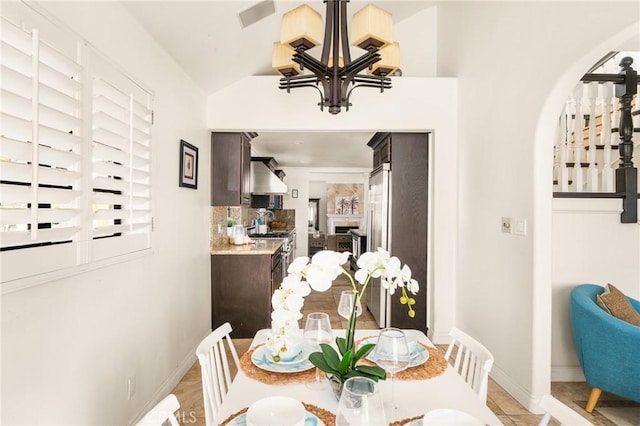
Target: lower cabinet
(241, 291)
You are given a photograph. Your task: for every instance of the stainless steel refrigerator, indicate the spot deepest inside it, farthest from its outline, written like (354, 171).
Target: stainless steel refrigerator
(378, 236)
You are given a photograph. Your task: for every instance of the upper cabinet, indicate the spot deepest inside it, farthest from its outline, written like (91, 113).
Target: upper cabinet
(381, 145)
(230, 169)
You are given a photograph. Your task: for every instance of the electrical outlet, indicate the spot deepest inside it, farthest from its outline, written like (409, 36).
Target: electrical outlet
(131, 387)
(506, 225)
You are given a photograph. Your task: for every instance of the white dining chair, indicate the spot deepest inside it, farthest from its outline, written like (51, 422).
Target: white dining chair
(565, 415)
(472, 361)
(214, 365)
(162, 412)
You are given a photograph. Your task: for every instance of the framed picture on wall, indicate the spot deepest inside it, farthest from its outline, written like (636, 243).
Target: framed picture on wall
(188, 165)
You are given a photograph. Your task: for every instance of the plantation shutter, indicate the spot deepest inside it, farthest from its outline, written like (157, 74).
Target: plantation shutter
(75, 151)
(121, 152)
(40, 142)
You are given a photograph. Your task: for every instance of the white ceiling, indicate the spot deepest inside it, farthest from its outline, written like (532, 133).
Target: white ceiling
(206, 39)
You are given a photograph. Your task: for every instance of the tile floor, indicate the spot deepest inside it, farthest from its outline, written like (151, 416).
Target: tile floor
(510, 411)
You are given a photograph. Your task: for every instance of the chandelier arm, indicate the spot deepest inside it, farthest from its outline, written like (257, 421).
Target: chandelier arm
(327, 33)
(372, 79)
(311, 63)
(346, 53)
(362, 62)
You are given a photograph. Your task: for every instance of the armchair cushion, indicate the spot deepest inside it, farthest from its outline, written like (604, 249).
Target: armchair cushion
(607, 347)
(616, 303)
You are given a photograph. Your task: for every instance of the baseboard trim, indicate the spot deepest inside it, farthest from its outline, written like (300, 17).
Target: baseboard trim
(170, 383)
(567, 374)
(522, 395)
(440, 339)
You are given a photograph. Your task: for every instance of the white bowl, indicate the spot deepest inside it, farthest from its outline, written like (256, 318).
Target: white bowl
(276, 410)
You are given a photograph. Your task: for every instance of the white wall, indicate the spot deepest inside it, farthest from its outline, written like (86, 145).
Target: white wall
(413, 104)
(68, 346)
(590, 245)
(508, 56)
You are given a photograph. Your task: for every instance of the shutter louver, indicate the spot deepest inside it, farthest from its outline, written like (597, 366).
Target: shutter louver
(40, 160)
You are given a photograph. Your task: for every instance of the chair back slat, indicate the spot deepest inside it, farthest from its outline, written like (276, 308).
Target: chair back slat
(215, 368)
(473, 362)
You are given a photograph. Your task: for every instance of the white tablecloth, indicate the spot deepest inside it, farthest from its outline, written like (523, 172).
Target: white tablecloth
(413, 397)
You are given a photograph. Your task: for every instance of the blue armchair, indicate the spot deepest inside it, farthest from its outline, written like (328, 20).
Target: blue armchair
(607, 347)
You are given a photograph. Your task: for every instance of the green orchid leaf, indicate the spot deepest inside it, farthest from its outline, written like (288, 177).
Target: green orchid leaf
(345, 363)
(330, 356)
(364, 350)
(318, 360)
(372, 371)
(341, 342)
(355, 373)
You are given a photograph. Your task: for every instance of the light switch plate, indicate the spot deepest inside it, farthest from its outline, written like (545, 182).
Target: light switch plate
(520, 227)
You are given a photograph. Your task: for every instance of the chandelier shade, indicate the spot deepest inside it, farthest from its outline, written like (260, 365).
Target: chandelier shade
(371, 30)
(389, 60)
(282, 60)
(301, 27)
(371, 27)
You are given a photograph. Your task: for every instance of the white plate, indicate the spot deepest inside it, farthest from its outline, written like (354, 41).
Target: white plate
(261, 358)
(419, 357)
(446, 416)
(310, 420)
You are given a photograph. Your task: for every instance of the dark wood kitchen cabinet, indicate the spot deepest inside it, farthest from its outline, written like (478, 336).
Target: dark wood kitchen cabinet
(241, 289)
(230, 169)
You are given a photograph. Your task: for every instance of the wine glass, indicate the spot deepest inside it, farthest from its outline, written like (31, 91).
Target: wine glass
(317, 330)
(345, 306)
(360, 403)
(392, 354)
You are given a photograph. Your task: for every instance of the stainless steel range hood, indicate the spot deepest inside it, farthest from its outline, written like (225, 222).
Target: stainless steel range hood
(264, 181)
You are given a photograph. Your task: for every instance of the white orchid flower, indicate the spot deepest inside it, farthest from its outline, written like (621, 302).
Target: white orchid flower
(281, 317)
(413, 286)
(277, 299)
(298, 265)
(294, 284)
(324, 268)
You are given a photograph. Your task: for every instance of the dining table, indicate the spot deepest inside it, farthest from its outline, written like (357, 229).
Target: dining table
(446, 389)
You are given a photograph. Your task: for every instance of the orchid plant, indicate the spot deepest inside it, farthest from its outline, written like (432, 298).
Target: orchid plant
(318, 273)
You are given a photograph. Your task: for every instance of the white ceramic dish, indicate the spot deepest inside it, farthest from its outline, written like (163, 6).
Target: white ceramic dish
(446, 417)
(261, 358)
(309, 420)
(419, 357)
(276, 410)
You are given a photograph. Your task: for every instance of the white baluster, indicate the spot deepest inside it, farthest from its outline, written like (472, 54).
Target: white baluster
(578, 143)
(605, 137)
(562, 144)
(592, 174)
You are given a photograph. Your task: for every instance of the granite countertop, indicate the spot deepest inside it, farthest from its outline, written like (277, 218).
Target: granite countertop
(359, 232)
(261, 246)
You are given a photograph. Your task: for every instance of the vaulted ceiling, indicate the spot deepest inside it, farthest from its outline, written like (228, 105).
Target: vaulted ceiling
(207, 39)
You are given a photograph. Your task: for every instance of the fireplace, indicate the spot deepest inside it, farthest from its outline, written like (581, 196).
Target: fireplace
(340, 224)
(344, 229)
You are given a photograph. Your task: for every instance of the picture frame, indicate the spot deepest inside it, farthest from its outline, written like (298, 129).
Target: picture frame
(294, 193)
(188, 165)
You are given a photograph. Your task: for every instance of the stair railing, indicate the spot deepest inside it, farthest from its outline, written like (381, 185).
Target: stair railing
(593, 175)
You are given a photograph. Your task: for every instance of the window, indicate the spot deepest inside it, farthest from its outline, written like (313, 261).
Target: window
(75, 152)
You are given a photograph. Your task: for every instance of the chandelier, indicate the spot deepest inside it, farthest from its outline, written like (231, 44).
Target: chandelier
(371, 30)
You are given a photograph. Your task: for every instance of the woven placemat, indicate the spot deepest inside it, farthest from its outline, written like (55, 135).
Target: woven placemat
(435, 365)
(327, 417)
(405, 421)
(271, 378)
